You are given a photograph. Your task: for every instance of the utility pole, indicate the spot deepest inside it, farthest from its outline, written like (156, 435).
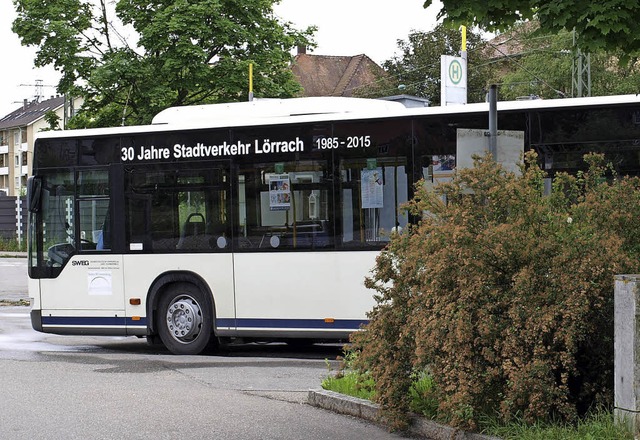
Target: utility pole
(581, 72)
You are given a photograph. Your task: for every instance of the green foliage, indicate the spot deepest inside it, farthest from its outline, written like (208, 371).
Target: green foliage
(504, 294)
(53, 120)
(349, 381)
(352, 382)
(185, 53)
(531, 62)
(422, 393)
(598, 425)
(608, 25)
(12, 245)
(543, 66)
(416, 71)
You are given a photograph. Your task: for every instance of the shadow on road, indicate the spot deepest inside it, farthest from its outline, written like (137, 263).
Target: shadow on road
(262, 350)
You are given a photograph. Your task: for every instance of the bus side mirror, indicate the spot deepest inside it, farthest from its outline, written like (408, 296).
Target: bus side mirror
(34, 193)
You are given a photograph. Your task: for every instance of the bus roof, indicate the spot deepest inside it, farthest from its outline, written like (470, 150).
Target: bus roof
(321, 109)
(272, 108)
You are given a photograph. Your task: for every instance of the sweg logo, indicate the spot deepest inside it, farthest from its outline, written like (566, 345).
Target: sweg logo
(80, 263)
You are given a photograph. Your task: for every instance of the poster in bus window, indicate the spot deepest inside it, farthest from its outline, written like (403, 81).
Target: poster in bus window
(279, 192)
(444, 167)
(371, 188)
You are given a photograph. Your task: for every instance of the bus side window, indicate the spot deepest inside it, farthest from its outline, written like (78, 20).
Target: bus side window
(285, 207)
(137, 221)
(93, 209)
(371, 192)
(104, 236)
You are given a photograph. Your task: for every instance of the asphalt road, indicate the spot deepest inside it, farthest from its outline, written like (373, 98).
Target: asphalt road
(13, 279)
(79, 387)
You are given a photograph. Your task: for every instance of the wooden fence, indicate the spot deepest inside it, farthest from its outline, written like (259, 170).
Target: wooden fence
(9, 220)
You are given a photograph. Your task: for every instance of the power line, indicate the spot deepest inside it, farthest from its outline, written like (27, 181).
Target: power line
(512, 59)
(507, 57)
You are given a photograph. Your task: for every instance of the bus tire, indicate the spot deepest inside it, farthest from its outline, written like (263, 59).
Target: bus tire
(185, 319)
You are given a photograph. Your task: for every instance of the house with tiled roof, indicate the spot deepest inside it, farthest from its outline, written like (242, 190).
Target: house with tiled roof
(17, 131)
(330, 75)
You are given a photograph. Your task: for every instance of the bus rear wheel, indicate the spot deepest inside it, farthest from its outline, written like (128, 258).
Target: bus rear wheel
(185, 321)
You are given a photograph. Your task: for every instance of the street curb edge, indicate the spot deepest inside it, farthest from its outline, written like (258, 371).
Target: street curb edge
(367, 410)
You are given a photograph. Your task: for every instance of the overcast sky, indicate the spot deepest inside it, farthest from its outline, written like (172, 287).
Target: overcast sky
(345, 27)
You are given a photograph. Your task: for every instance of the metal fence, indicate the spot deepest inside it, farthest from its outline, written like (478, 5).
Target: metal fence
(13, 217)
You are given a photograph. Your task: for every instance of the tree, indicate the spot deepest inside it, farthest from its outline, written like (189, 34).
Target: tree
(186, 53)
(606, 25)
(535, 63)
(417, 70)
(53, 121)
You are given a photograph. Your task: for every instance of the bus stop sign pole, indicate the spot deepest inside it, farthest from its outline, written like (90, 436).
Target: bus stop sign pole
(493, 121)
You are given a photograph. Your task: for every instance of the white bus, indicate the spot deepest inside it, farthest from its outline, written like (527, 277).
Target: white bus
(261, 220)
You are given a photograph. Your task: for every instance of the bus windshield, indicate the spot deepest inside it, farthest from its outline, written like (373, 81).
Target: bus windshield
(71, 214)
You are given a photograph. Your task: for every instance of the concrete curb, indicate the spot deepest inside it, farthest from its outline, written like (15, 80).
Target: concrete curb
(7, 254)
(364, 409)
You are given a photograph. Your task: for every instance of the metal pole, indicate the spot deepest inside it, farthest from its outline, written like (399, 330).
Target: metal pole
(463, 55)
(493, 121)
(19, 219)
(250, 81)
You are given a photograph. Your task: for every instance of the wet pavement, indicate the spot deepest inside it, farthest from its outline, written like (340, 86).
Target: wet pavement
(13, 279)
(79, 387)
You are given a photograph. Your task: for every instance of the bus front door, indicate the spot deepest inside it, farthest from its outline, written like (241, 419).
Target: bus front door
(87, 296)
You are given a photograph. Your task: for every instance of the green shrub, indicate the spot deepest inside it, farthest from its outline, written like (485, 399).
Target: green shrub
(504, 294)
(12, 245)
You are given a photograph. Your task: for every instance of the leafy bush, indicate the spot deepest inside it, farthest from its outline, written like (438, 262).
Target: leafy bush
(504, 294)
(12, 245)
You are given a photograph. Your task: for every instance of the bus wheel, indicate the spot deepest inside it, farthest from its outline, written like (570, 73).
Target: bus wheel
(185, 321)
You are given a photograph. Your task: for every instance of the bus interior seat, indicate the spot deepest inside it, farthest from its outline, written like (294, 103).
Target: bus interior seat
(194, 233)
